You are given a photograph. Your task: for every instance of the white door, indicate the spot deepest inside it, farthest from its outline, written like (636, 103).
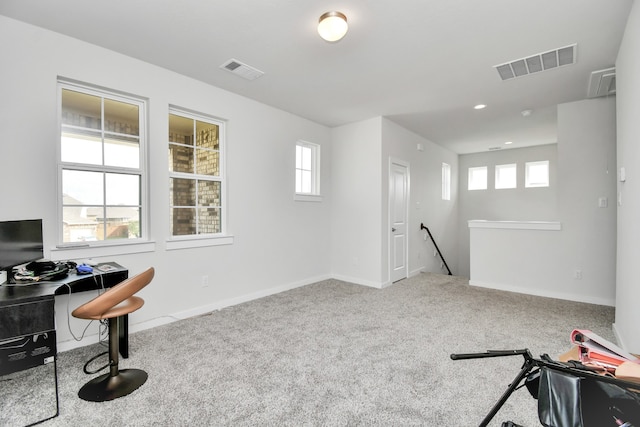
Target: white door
(398, 202)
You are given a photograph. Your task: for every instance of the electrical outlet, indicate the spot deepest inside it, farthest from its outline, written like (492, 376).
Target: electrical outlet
(577, 274)
(205, 281)
(603, 202)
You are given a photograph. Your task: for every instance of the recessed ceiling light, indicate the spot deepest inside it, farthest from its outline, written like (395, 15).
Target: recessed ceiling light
(480, 106)
(508, 143)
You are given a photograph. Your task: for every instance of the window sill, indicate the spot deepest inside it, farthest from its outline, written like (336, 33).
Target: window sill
(77, 251)
(307, 197)
(198, 242)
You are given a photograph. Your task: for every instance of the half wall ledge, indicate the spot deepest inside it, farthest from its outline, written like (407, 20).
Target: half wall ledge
(516, 225)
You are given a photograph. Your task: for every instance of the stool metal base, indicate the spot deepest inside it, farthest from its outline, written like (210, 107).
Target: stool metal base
(108, 387)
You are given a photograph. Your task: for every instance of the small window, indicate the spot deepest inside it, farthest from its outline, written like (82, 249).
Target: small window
(307, 169)
(446, 181)
(478, 178)
(506, 176)
(537, 174)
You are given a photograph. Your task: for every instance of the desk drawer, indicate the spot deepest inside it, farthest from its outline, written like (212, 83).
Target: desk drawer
(27, 318)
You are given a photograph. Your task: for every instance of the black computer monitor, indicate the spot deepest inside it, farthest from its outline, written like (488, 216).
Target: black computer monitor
(20, 242)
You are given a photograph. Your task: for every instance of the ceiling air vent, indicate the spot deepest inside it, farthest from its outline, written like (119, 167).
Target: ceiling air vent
(539, 62)
(243, 70)
(602, 83)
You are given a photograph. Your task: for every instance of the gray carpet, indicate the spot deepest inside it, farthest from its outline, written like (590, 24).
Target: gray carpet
(335, 354)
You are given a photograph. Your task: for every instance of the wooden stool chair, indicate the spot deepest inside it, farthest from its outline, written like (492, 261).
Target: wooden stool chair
(112, 304)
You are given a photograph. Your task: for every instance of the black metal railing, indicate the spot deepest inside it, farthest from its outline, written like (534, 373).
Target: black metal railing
(422, 227)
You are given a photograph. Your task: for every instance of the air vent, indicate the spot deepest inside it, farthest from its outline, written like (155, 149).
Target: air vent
(602, 83)
(243, 70)
(537, 63)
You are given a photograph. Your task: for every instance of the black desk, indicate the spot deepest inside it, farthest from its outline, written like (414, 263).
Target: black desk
(27, 318)
(28, 309)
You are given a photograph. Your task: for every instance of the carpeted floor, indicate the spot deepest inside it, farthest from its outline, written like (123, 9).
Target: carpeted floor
(332, 354)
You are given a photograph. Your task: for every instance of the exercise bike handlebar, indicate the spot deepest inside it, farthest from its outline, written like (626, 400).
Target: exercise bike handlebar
(493, 353)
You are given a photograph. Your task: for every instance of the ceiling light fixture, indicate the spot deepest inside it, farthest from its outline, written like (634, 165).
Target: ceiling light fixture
(480, 106)
(508, 143)
(332, 26)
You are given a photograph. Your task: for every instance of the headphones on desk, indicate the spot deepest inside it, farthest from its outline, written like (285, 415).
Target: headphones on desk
(39, 271)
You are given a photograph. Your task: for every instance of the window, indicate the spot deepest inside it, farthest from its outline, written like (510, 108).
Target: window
(506, 176)
(307, 171)
(478, 178)
(446, 181)
(537, 174)
(196, 174)
(102, 146)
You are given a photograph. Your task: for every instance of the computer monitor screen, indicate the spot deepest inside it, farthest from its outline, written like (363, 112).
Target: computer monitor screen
(20, 242)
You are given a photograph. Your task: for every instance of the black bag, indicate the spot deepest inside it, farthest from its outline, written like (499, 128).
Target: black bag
(568, 400)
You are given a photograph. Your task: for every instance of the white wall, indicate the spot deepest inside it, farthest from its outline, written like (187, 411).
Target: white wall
(356, 208)
(586, 173)
(517, 204)
(278, 244)
(586, 154)
(523, 257)
(627, 323)
(360, 208)
(425, 199)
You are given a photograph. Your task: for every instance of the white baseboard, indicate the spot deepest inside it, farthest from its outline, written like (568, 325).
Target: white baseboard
(92, 339)
(197, 311)
(218, 305)
(357, 281)
(545, 293)
(417, 271)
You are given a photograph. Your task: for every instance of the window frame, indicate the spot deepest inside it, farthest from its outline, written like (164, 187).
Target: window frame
(470, 173)
(527, 182)
(203, 239)
(314, 195)
(498, 182)
(106, 246)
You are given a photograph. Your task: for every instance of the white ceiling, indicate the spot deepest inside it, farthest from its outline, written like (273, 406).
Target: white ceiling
(422, 63)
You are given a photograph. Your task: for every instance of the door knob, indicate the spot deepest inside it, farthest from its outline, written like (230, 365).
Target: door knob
(393, 229)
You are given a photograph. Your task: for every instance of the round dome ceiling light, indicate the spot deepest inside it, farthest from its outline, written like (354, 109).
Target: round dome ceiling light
(332, 26)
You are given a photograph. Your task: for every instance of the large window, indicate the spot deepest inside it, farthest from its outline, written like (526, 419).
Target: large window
(101, 172)
(307, 171)
(196, 185)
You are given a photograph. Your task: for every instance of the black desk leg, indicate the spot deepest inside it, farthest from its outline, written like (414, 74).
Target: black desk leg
(123, 335)
(55, 376)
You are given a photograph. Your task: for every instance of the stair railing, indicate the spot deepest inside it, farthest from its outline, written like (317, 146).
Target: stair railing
(422, 227)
